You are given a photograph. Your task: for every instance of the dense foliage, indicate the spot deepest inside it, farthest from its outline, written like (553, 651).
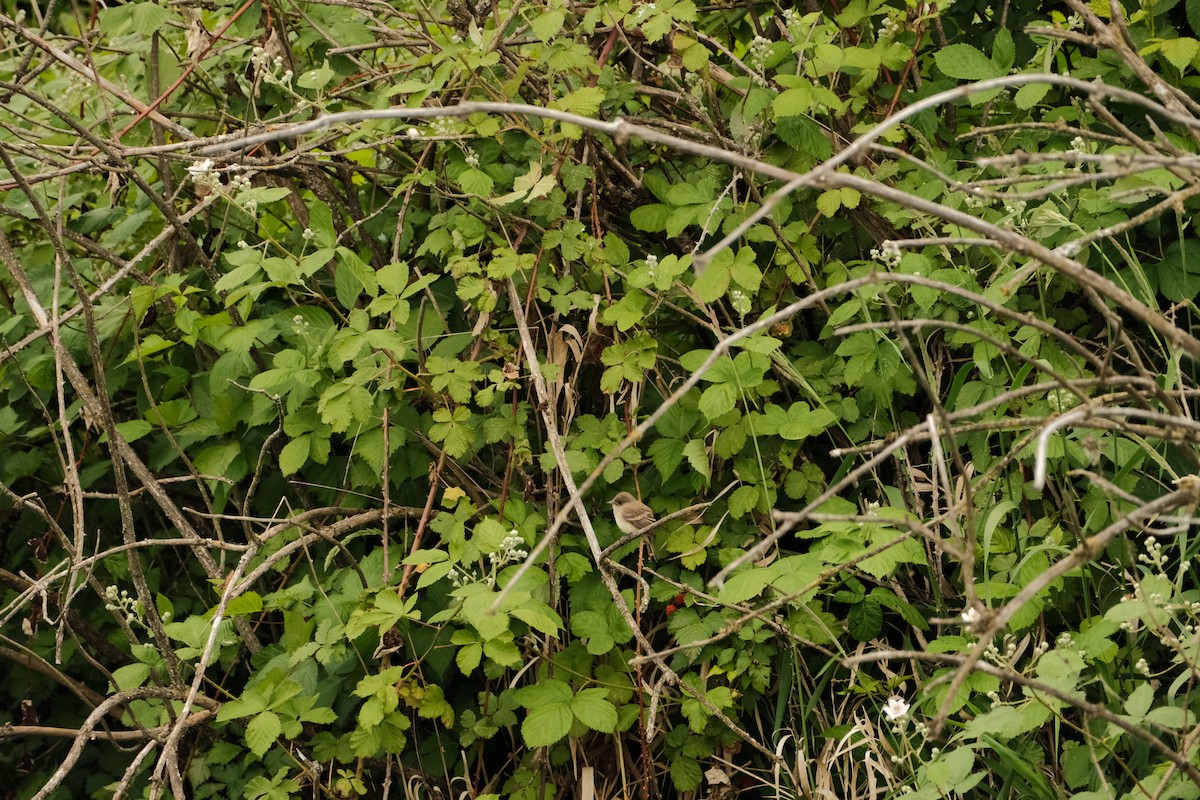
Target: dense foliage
(293, 427)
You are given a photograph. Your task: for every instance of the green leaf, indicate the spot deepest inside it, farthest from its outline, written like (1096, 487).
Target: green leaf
(262, 732)
(546, 23)
(345, 404)
(317, 78)
(452, 428)
(697, 456)
(585, 101)
(476, 181)
(134, 429)
(530, 186)
(686, 773)
(248, 603)
(593, 709)
(743, 500)
(294, 455)
(651, 218)
(1007, 722)
(718, 399)
(666, 455)
(950, 768)
(714, 281)
(829, 202)
(865, 620)
(964, 62)
(1004, 51)
(1181, 52)
(149, 18)
(1030, 95)
(538, 615)
(549, 715)
(804, 135)
(744, 585)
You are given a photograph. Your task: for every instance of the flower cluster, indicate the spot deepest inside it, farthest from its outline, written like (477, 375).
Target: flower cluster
(120, 601)
(889, 27)
(1154, 556)
(204, 175)
(443, 126)
(739, 301)
(888, 254)
(652, 267)
(512, 548)
(270, 69)
(759, 50)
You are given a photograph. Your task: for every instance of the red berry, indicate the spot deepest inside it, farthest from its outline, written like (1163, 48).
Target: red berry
(671, 609)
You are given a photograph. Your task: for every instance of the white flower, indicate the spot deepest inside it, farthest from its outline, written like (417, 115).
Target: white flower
(895, 709)
(888, 254)
(203, 174)
(970, 616)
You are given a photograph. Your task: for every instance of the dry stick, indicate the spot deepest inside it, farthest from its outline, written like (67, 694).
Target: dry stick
(1079, 415)
(98, 713)
(576, 499)
(637, 433)
(99, 411)
(89, 73)
(1091, 709)
(333, 530)
(991, 624)
(168, 761)
(821, 177)
(112, 280)
(93, 404)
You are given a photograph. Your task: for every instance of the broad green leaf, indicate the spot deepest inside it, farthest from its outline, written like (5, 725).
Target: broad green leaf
(547, 23)
(964, 62)
(593, 709)
(1030, 95)
(262, 732)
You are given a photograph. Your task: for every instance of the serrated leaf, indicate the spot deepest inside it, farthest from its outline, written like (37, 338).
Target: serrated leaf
(713, 282)
(584, 102)
(865, 620)
(744, 585)
(685, 773)
(468, 657)
(549, 715)
(829, 201)
(1004, 51)
(743, 500)
(262, 732)
(666, 455)
(805, 135)
(718, 399)
(965, 62)
(476, 181)
(651, 218)
(547, 23)
(1181, 52)
(248, 603)
(697, 456)
(593, 709)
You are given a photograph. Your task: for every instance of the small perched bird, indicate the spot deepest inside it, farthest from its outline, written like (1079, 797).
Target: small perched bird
(631, 514)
